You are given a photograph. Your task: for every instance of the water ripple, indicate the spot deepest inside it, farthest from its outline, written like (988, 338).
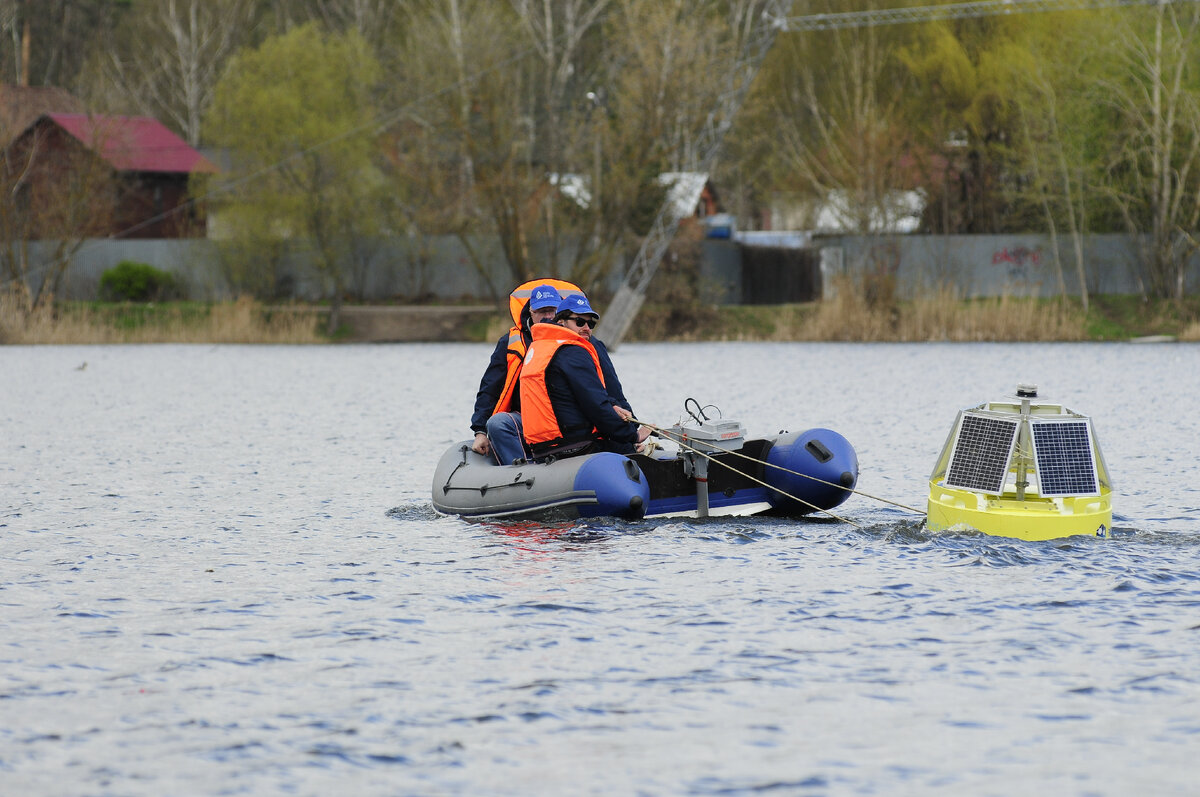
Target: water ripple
(252, 594)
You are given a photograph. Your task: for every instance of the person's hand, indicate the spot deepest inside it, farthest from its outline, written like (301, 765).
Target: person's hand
(622, 413)
(643, 433)
(481, 445)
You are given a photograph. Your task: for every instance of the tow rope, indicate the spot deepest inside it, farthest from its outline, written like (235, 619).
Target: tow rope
(671, 436)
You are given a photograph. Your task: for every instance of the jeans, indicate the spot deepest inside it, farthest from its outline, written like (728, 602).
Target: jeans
(505, 433)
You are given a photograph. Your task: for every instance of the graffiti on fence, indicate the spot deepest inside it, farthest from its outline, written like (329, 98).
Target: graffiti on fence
(1018, 256)
(1017, 259)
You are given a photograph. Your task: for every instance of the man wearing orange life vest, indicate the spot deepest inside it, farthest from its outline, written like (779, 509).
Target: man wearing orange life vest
(496, 419)
(566, 406)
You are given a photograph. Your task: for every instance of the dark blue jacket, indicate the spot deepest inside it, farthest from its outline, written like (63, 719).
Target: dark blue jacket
(582, 403)
(491, 385)
(611, 383)
(493, 382)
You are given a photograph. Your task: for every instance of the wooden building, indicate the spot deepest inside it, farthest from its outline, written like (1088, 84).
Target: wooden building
(96, 176)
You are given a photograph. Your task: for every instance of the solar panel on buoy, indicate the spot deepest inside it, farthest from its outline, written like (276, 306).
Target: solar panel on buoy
(1065, 462)
(982, 452)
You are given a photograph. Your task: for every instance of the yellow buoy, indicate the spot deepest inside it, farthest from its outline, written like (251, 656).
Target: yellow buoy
(1021, 467)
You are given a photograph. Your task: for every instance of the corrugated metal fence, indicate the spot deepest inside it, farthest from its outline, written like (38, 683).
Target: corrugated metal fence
(444, 269)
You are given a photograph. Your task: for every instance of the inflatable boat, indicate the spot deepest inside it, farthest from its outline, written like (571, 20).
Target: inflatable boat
(1022, 467)
(701, 469)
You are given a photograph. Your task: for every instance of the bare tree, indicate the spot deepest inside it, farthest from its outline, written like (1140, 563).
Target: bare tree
(558, 29)
(1044, 71)
(838, 122)
(457, 26)
(1154, 167)
(566, 180)
(174, 53)
(15, 28)
(49, 38)
(51, 193)
(370, 19)
(426, 156)
(665, 66)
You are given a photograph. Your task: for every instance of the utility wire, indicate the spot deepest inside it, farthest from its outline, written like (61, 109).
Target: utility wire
(981, 8)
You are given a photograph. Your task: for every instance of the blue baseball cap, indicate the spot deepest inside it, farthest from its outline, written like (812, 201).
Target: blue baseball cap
(576, 303)
(544, 296)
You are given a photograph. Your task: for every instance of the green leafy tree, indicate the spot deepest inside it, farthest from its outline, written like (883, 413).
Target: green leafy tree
(835, 109)
(298, 118)
(1050, 71)
(962, 112)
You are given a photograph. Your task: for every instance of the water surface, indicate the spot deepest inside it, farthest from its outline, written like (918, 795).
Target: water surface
(220, 574)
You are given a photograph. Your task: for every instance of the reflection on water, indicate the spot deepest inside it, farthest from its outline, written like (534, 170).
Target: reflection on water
(222, 574)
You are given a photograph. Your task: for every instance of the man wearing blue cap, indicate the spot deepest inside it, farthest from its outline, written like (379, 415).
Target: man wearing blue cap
(496, 419)
(568, 406)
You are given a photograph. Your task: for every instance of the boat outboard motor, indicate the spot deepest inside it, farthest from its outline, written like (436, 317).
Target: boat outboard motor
(706, 437)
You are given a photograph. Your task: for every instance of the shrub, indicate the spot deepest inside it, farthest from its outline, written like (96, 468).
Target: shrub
(137, 282)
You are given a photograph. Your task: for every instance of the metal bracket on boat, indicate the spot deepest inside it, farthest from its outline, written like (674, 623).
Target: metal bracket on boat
(706, 437)
(696, 467)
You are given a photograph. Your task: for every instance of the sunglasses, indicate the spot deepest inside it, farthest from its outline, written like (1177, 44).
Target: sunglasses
(590, 323)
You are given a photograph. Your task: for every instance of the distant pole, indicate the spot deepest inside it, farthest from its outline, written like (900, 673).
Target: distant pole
(597, 207)
(26, 45)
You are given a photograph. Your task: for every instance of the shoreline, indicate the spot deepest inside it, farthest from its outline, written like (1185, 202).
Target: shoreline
(843, 319)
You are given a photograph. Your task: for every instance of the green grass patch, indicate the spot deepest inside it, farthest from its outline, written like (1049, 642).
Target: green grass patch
(750, 320)
(137, 315)
(479, 328)
(1113, 317)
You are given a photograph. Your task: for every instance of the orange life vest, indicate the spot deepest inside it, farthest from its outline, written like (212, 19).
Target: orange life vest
(537, 415)
(516, 356)
(516, 338)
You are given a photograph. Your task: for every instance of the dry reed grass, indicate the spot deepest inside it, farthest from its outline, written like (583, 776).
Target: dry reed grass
(852, 314)
(1191, 332)
(240, 321)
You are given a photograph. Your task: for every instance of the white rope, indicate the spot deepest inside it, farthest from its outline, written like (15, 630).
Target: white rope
(667, 433)
(747, 475)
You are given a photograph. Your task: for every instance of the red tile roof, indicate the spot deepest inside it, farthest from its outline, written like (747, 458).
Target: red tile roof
(134, 143)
